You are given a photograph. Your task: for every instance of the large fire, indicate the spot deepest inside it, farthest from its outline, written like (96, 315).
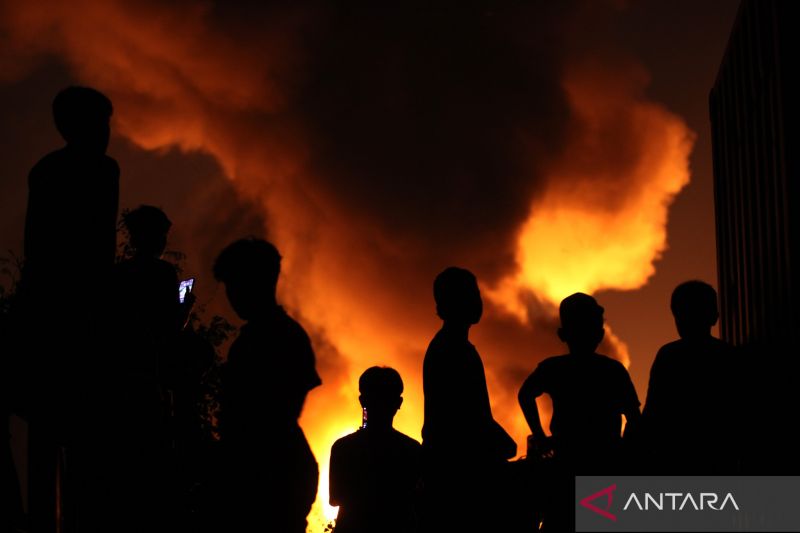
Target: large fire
(597, 221)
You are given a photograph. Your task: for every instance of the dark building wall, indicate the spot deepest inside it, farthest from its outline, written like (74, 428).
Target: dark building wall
(754, 120)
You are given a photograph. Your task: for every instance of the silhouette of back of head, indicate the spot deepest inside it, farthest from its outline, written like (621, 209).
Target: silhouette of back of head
(694, 306)
(381, 391)
(148, 227)
(82, 116)
(457, 296)
(581, 323)
(249, 268)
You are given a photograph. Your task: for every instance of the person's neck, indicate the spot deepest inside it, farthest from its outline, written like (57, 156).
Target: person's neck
(456, 329)
(84, 150)
(265, 311)
(379, 426)
(697, 336)
(582, 352)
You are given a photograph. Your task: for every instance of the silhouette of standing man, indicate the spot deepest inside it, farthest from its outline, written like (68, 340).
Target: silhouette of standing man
(690, 415)
(70, 243)
(273, 475)
(464, 448)
(375, 471)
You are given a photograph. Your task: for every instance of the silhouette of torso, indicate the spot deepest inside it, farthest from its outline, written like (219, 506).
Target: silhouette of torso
(373, 478)
(70, 228)
(145, 295)
(458, 416)
(70, 245)
(270, 370)
(691, 406)
(272, 472)
(590, 394)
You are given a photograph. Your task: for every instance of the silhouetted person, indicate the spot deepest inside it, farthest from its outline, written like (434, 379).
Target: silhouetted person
(147, 319)
(690, 416)
(464, 449)
(145, 296)
(269, 371)
(590, 393)
(375, 471)
(69, 248)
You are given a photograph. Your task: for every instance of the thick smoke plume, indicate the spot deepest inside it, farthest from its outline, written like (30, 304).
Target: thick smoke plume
(377, 146)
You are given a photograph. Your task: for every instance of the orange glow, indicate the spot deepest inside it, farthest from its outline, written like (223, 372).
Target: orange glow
(599, 222)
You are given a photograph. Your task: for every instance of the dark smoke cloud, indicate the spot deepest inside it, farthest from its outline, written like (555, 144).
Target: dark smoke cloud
(434, 124)
(376, 145)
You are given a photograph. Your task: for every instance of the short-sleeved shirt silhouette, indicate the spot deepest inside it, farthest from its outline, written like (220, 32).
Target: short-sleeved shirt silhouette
(690, 412)
(373, 478)
(270, 369)
(71, 221)
(458, 416)
(590, 393)
(272, 472)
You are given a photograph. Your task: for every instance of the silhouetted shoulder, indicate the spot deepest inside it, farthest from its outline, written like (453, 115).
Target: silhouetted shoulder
(286, 345)
(111, 166)
(407, 441)
(291, 327)
(45, 166)
(683, 351)
(554, 362)
(59, 160)
(357, 440)
(701, 360)
(613, 364)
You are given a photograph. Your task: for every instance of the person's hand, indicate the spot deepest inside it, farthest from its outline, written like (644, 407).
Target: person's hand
(186, 309)
(540, 447)
(189, 299)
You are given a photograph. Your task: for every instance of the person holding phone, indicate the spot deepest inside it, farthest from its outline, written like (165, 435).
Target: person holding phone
(147, 319)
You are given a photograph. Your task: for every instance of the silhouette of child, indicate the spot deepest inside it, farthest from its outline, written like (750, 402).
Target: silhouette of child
(269, 371)
(690, 413)
(465, 449)
(374, 472)
(590, 392)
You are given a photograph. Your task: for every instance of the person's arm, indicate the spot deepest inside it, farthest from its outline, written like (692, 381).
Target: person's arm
(629, 402)
(336, 474)
(652, 414)
(528, 393)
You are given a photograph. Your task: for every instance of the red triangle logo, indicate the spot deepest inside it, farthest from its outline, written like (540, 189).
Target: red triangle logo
(608, 492)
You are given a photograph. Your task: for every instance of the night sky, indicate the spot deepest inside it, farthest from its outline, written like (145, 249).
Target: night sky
(546, 146)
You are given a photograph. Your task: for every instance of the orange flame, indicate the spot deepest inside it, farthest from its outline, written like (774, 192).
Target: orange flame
(600, 222)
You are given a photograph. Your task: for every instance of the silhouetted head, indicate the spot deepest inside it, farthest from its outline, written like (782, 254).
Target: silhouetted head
(581, 323)
(458, 298)
(148, 227)
(694, 306)
(381, 391)
(82, 116)
(249, 269)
